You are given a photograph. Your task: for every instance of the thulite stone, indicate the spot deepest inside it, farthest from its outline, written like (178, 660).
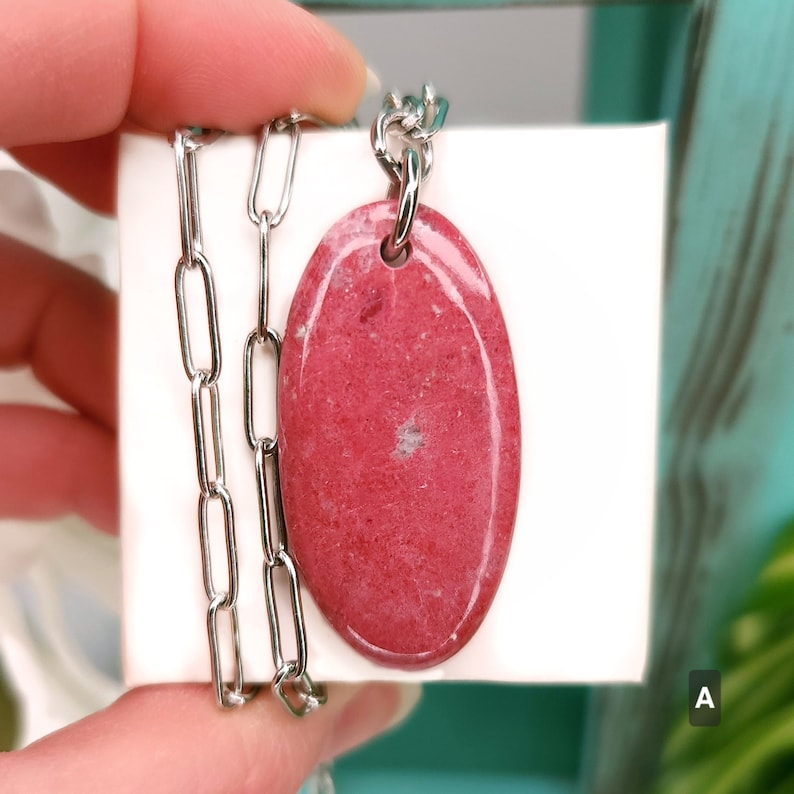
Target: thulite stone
(399, 438)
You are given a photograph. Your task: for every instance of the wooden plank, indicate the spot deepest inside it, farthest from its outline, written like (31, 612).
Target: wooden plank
(727, 414)
(630, 53)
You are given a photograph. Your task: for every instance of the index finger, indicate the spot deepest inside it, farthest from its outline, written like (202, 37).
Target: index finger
(231, 64)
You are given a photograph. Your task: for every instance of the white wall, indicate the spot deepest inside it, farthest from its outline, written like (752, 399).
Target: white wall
(500, 65)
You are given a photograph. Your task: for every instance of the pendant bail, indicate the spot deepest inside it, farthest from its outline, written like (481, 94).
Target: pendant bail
(414, 122)
(395, 245)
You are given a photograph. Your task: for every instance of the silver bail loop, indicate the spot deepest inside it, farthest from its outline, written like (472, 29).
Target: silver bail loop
(407, 202)
(414, 121)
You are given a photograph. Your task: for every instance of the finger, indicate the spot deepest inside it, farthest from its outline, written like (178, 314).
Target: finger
(174, 738)
(85, 169)
(62, 323)
(164, 63)
(235, 64)
(55, 464)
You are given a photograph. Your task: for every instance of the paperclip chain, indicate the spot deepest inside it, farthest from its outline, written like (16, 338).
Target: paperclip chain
(291, 683)
(209, 445)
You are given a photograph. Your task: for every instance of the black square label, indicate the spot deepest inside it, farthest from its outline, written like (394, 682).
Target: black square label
(705, 698)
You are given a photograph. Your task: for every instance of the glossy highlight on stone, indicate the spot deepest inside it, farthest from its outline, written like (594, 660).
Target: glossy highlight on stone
(399, 438)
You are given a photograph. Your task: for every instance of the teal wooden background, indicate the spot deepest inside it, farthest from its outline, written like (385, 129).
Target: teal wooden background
(635, 62)
(727, 403)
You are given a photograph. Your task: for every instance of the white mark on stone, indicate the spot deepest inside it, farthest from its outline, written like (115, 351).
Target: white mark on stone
(340, 279)
(436, 309)
(300, 332)
(423, 335)
(409, 439)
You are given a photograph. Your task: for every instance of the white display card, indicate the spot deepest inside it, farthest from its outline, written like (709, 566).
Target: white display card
(569, 225)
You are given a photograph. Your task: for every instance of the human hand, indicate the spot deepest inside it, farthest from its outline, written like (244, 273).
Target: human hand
(70, 81)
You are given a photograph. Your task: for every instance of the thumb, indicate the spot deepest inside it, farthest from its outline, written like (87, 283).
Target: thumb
(174, 738)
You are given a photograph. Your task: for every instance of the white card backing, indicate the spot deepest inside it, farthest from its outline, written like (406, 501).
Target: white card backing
(569, 225)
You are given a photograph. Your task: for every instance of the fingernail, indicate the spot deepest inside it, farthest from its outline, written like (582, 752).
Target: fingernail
(371, 711)
(372, 86)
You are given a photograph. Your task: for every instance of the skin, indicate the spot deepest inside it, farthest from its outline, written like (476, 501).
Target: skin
(71, 78)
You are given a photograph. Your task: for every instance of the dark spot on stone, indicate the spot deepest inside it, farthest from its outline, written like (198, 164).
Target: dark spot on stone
(372, 307)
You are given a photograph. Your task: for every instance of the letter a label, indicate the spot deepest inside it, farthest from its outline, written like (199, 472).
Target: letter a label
(705, 698)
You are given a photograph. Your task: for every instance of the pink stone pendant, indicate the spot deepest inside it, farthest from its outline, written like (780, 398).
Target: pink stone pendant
(399, 437)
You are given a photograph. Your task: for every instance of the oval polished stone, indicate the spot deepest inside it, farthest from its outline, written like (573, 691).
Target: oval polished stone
(399, 438)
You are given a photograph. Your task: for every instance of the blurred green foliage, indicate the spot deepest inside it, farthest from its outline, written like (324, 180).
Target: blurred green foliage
(752, 750)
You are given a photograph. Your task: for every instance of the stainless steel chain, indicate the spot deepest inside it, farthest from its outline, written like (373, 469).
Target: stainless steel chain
(210, 463)
(291, 683)
(414, 122)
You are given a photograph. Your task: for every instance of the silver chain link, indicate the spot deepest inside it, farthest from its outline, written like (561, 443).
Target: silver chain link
(210, 464)
(291, 683)
(414, 122)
